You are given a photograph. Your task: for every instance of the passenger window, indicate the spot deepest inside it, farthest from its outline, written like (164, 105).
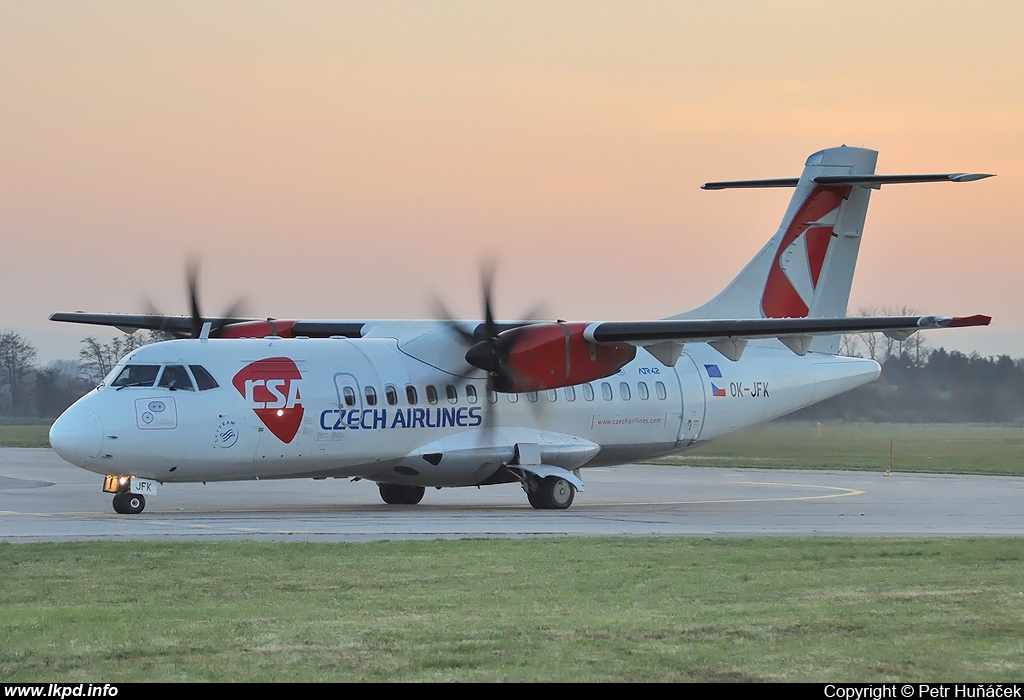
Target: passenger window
(492, 396)
(570, 393)
(531, 396)
(624, 391)
(204, 379)
(552, 394)
(410, 395)
(391, 394)
(641, 389)
(350, 396)
(588, 392)
(136, 375)
(175, 378)
(431, 394)
(452, 393)
(606, 391)
(512, 398)
(470, 393)
(660, 388)
(371, 396)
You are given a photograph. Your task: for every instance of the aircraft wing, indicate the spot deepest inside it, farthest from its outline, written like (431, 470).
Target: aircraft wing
(177, 325)
(664, 339)
(182, 326)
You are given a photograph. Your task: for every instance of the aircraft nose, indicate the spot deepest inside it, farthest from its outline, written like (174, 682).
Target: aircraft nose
(77, 435)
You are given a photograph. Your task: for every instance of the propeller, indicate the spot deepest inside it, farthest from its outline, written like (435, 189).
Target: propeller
(196, 318)
(488, 344)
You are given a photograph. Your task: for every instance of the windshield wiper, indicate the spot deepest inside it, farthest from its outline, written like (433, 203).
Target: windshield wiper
(142, 383)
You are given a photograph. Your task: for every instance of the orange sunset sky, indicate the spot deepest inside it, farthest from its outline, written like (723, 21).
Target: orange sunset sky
(353, 159)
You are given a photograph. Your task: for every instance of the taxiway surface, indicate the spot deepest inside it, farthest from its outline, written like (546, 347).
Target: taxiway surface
(44, 499)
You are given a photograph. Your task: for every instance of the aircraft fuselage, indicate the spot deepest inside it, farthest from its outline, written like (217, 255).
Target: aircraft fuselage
(290, 408)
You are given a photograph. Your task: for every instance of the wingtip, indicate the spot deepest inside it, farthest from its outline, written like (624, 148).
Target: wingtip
(969, 177)
(966, 321)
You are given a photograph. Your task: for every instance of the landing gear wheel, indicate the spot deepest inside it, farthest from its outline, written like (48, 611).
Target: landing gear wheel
(399, 495)
(127, 503)
(551, 493)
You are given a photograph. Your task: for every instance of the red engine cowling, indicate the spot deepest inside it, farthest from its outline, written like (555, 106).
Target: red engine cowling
(552, 355)
(257, 329)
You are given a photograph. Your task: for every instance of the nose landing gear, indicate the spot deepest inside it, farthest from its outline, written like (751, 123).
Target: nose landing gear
(128, 503)
(125, 501)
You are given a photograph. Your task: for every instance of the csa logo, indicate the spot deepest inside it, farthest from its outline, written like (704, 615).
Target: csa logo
(271, 389)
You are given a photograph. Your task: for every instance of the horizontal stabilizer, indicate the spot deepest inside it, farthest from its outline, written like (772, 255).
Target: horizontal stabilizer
(874, 181)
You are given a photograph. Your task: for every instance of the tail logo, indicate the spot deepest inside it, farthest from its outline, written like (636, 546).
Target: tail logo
(796, 270)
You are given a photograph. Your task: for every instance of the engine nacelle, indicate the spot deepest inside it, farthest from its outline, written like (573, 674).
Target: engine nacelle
(552, 355)
(256, 329)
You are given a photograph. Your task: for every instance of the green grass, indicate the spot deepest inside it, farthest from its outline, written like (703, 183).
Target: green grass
(670, 609)
(28, 435)
(943, 449)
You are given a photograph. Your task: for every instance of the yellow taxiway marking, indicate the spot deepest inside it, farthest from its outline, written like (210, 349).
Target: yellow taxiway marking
(840, 492)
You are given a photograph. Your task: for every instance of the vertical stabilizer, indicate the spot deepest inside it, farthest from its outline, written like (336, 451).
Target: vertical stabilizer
(806, 269)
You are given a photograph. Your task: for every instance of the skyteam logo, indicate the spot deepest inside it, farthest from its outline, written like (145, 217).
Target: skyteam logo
(715, 372)
(271, 388)
(226, 435)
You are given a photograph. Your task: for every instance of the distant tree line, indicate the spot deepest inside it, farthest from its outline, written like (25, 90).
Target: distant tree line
(942, 387)
(922, 385)
(30, 391)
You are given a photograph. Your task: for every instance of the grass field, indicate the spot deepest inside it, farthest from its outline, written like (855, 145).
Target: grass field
(671, 609)
(961, 449)
(29, 435)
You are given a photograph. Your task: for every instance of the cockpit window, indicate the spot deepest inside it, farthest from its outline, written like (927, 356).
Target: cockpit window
(204, 379)
(136, 375)
(176, 378)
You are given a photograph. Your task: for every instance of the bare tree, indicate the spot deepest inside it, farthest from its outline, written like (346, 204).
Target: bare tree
(17, 356)
(880, 346)
(871, 341)
(57, 386)
(96, 359)
(849, 345)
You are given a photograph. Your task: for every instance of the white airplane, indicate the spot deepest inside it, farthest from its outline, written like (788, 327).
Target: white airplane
(415, 404)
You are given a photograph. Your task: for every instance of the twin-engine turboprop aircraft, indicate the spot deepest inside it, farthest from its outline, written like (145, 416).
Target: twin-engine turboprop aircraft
(413, 404)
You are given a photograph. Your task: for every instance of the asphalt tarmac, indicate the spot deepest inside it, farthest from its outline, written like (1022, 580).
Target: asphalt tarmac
(44, 499)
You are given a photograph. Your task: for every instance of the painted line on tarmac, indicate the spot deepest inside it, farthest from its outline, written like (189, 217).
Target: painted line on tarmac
(841, 492)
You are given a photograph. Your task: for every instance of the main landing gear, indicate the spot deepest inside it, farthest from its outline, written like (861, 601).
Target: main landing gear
(128, 503)
(397, 494)
(549, 493)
